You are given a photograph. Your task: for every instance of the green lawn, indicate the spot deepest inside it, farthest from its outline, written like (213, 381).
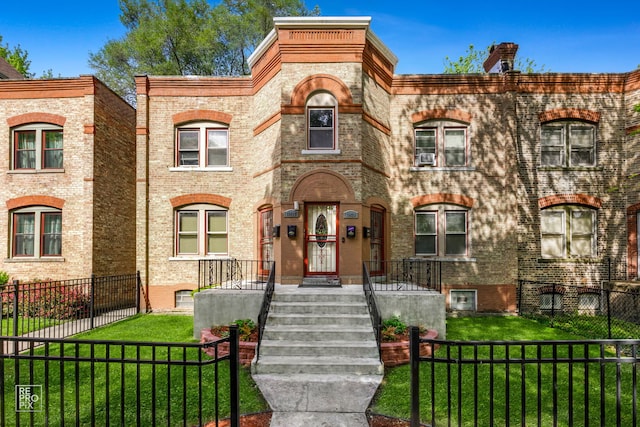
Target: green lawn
(25, 325)
(489, 381)
(112, 388)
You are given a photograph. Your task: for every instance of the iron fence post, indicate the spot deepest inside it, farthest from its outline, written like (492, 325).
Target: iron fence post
(15, 308)
(234, 376)
(92, 300)
(608, 291)
(414, 360)
(138, 289)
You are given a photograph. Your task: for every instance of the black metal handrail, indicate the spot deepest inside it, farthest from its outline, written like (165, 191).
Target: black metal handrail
(264, 309)
(372, 305)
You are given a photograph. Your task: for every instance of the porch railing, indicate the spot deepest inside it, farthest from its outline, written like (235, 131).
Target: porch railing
(372, 305)
(232, 273)
(525, 382)
(408, 274)
(59, 382)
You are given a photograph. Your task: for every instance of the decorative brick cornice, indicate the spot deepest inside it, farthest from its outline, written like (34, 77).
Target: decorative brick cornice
(569, 199)
(569, 113)
(454, 199)
(191, 199)
(267, 123)
(200, 115)
(36, 117)
(376, 123)
(459, 115)
(36, 200)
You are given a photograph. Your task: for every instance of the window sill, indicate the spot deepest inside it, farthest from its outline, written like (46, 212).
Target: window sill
(571, 169)
(199, 258)
(199, 169)
(570, 260)
(34, 171)
(33, 259)
(306, 152)
(442, 169)
(444, 258)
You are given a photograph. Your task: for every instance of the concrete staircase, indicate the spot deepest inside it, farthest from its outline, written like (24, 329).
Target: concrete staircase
(318, 358)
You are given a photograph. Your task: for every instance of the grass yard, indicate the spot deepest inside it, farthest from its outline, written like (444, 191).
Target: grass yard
(577, 389)
(25, 325)
(110, 390)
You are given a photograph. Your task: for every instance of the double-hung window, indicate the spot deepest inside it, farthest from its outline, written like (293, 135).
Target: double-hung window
(322, 124)
(201, 230)
(441, 231)
(440, 143)
(37, 146)
(567, 144)
(37, 232)
(568, 232)
(202, 145)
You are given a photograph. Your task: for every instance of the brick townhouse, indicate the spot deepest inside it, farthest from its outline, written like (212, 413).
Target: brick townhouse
(67, 180)
(501, 176)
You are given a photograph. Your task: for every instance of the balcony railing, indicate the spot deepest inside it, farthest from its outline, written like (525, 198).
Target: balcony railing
(408, 274)
(232, 273)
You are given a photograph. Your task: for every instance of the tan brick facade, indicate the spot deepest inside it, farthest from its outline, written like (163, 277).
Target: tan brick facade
(95, 189)
(370, 166)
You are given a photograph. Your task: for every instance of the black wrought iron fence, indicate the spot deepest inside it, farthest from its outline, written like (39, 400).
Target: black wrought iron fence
(59, 382)
(591, 312)
(60, 308)
(544, 383)
(409, 274)
(233, 273)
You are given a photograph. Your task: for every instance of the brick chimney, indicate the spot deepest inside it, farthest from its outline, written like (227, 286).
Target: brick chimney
(501, 58)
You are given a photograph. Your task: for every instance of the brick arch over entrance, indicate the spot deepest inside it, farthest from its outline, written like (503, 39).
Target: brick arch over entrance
(317, 82)
(322, 185)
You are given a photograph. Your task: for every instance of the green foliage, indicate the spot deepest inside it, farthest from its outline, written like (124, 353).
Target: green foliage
(472, 63)
(245, 328)
(4, 278)
(393, 327)
(186, 37)
(18, 58)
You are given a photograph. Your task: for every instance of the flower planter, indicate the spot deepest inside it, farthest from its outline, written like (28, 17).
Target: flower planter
(247, 348)
(397, 352)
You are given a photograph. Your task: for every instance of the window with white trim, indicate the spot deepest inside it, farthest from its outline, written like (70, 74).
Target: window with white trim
(202, 145)
(37, 146)
(36, 232)
(201, 230)
(322, 122)
(568, 231)
(567, 144)
(442, 230)
(441, 143)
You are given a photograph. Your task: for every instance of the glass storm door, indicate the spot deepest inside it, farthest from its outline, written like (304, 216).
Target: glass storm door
(377, 242)
(321, 249)
(266, 240)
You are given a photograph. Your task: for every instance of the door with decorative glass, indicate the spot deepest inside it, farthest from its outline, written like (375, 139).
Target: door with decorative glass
(321, 248)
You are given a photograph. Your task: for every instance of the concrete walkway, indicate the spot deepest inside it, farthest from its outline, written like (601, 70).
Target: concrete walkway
(341, 393)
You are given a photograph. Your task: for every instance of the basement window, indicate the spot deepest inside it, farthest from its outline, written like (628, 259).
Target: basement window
(463, 300)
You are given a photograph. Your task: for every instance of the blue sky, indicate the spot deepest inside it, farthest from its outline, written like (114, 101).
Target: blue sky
(564, 36)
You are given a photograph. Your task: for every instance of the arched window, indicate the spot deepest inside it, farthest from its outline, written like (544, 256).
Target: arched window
(568, 143)
(36, 232)
(202, 145)
(322, 122)
(201, 230)
(442, 143)
(568, 231)
(37, 146)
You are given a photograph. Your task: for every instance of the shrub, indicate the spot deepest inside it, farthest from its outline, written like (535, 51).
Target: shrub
(50, 300)
(4, 278)
(393, 328)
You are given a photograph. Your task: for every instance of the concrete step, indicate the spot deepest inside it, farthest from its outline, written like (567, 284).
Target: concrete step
(363, 349)
(326, 333)
(291, 365)
(324, 296)
(318, 319)
(311, 308)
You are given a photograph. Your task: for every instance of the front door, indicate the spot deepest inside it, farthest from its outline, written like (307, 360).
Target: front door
(321, 239)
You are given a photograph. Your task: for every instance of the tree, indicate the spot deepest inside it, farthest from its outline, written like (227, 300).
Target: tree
(186, 37)
(471, 63)
(17, 57)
